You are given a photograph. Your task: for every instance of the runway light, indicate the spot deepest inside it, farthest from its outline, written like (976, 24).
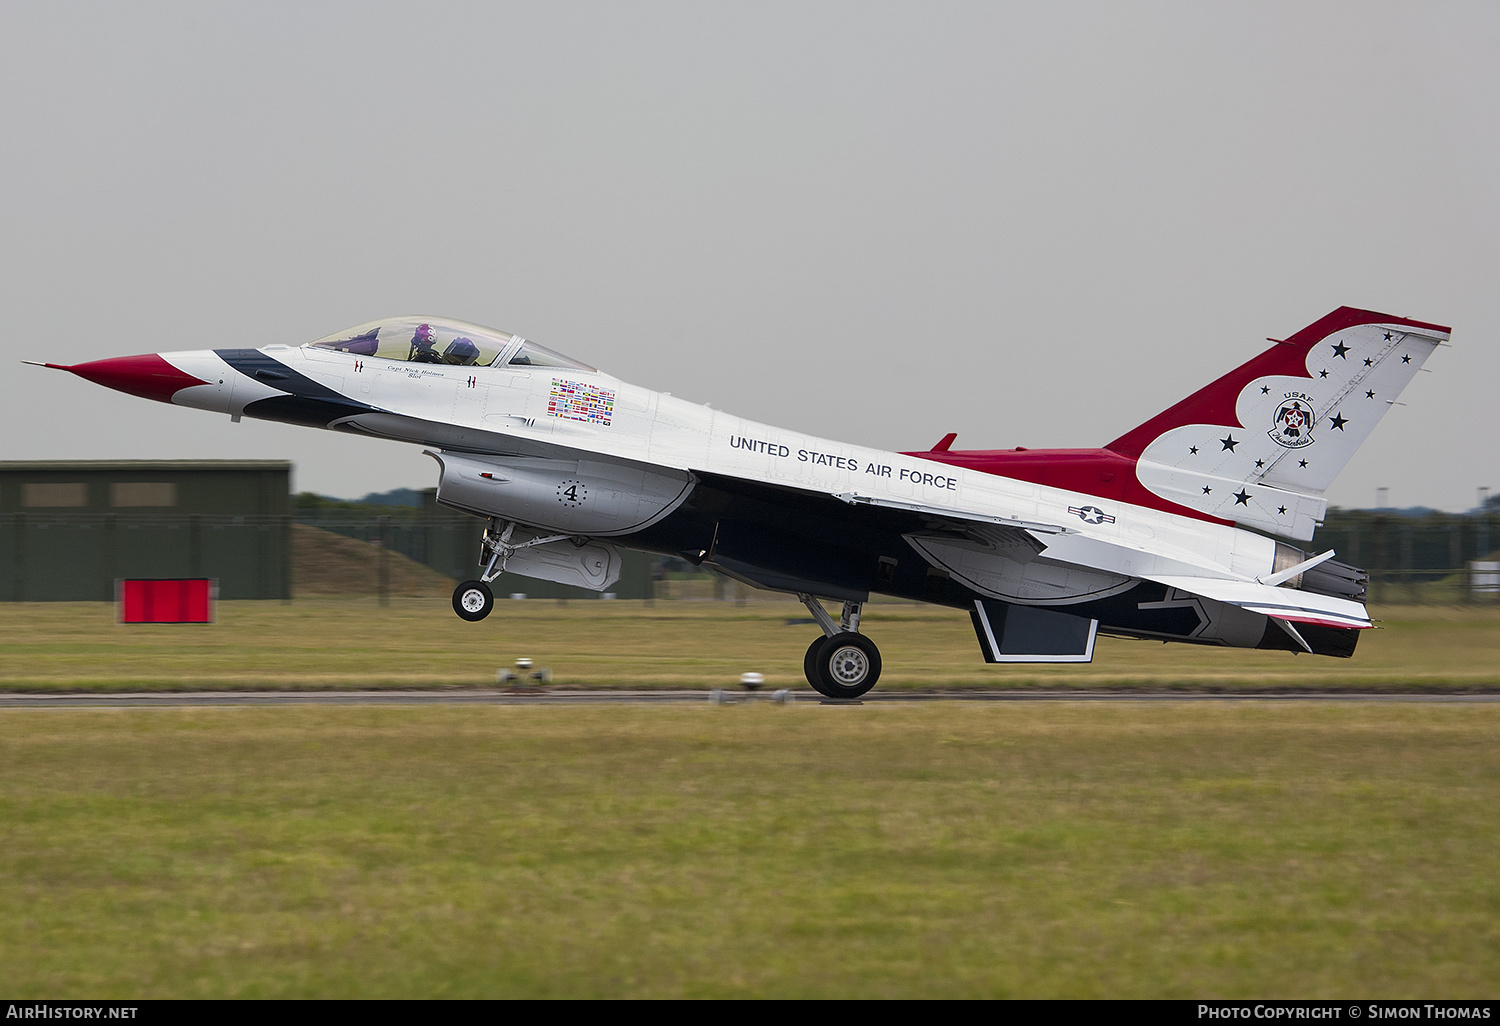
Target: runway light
(752, 681)
(523, 663)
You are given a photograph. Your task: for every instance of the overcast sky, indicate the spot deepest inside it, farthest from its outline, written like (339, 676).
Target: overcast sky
(1033, 224)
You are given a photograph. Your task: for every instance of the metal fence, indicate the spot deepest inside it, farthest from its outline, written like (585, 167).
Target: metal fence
(446, 542)
(450, 543)
(59, 556)
(1437, 558)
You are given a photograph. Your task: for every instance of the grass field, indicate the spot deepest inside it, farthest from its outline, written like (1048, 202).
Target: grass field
(343, 643)
(954, 849)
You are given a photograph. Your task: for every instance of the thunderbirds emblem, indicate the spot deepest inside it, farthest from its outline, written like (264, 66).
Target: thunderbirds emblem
(1091, 514)
(1294, 421)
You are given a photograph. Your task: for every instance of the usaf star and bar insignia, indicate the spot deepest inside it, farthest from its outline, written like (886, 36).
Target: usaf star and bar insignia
(1091, 514)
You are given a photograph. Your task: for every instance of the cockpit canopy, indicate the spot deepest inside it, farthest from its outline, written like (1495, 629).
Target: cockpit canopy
(432, 340)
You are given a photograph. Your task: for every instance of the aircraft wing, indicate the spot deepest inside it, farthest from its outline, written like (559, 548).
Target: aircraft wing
(1069, 545)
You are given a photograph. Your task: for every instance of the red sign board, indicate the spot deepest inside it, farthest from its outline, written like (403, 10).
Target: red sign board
(176, 600)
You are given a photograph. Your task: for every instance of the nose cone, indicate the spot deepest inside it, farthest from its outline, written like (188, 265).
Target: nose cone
(149, 376)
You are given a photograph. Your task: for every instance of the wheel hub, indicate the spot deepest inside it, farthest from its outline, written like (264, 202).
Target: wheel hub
(849, 665)
(472, 600)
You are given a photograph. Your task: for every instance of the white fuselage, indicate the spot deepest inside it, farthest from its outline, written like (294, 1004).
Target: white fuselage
(516, 410)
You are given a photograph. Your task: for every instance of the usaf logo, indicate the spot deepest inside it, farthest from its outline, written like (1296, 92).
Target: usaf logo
(1294, 421)
(1091, 514)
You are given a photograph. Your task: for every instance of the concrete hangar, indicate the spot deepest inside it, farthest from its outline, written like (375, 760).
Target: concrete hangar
(70, 529)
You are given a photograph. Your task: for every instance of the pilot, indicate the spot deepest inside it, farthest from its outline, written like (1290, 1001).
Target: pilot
(422, 350)
(462, 352)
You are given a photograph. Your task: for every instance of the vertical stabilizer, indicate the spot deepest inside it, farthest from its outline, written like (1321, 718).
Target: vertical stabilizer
(1260, 445)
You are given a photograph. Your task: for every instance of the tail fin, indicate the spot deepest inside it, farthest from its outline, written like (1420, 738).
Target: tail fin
(1260, 445)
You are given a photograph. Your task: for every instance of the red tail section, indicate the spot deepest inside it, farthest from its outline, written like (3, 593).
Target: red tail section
(1215, 403)
(1259, 445)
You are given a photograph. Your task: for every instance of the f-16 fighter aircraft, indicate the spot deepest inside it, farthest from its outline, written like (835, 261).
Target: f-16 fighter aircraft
(1155, 535)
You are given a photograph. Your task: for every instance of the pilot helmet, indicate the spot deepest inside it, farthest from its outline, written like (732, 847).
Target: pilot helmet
(461, 351)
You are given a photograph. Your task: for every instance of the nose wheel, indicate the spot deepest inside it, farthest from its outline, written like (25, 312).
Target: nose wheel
(473, 600)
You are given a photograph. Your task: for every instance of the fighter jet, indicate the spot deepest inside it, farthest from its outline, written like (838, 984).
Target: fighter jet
(1168, 532)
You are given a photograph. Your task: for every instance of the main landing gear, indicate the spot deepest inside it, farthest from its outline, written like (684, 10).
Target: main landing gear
(473, 600)
(843, 663)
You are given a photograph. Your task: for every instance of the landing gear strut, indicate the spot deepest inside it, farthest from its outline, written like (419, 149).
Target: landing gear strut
(473, 600)
(498, 548)
(843, 663)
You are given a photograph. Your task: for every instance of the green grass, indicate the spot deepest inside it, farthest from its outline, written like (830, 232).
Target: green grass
(1017, 850)
(344, 643)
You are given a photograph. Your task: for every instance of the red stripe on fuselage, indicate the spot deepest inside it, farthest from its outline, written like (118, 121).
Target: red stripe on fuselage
(148, 376)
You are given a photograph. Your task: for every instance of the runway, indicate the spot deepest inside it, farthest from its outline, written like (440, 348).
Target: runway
(799, 696)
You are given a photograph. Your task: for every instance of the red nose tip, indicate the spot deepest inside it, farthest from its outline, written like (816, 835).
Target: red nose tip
(148, 376)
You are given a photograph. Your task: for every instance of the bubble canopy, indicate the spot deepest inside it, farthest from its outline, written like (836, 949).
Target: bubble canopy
(435, 340)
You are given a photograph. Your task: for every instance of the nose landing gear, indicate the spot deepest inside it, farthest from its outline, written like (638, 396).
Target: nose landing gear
(843, 663)
(473, 600)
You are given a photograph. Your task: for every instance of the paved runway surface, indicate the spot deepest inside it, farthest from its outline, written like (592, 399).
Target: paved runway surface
(145, 700)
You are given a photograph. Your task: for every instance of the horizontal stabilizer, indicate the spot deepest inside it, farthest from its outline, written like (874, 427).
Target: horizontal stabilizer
(1277, 603)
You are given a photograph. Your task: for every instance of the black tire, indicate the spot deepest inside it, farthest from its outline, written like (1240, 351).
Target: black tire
(473, 600)
(843, 666)
(810, 663)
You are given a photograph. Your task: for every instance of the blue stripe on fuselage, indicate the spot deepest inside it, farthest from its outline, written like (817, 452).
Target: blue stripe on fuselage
(307, 402)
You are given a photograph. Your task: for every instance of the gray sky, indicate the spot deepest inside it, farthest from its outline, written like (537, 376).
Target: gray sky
(1033, 224)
